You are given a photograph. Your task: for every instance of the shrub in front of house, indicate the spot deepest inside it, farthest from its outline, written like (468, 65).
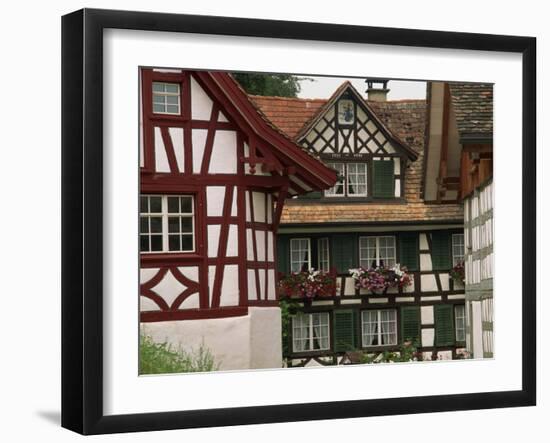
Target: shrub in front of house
(162, 358)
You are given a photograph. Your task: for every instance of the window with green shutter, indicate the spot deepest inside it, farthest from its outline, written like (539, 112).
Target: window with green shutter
(383, 181)
(282, 255)
(441, 250)
(410, 323)
(344, 252)
(345, 330)
(408, 250)
(444, 328)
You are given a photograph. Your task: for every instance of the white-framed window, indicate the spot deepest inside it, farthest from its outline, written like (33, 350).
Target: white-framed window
(310, 332)
(166, 98)
(377, 251)
(323, 256)
(379, 327)
(460, 323)
(166, 223)
(300, 254)
(458, 248)
(353, 181)
(356, 179)
(338, 190)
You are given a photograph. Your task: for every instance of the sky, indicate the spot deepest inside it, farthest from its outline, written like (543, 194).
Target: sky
(323, 87)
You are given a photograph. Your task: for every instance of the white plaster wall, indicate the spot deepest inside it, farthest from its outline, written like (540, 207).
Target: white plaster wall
(146, 304)
(427, 315)
(176, 135)
(232, 242)
(476, 330)
(213, 240)
(349, 288)
(260, 245)
(428, 336)
(161, 160)
(198, 140)
(230, 286)
(425, 261)
(444, 279)
(228, 339)
(423, 242)
(271, 293)
(224, 153)
(252, 290)
(428, 283)
(249, 245)
(201, 104)
(258, 200)
(215, 196)
(397, 192)
(265, 337)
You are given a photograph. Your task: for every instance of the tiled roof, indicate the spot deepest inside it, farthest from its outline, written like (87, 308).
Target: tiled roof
(473, 106)
(288, 114)
(407, 120)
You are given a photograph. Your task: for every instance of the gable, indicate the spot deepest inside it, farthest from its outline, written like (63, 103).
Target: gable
(347, 125)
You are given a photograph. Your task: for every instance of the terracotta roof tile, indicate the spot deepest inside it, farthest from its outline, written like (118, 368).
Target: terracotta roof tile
(288, 114)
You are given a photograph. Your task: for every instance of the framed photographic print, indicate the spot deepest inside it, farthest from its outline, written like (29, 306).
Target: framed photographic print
(278, 221)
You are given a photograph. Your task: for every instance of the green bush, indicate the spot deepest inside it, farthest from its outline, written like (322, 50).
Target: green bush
(162, 358)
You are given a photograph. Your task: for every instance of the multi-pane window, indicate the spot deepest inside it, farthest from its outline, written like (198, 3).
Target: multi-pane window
(166, 223)
(338, 189)
(353, 180)
(458, 248)
(379, 327)
(310, 332)
(166, 98)
(460, 323)
(377, 251)
(323, 254)
(300, 254)
(357, 179)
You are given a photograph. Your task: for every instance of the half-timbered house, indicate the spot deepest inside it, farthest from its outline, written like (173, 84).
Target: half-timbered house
(377, 214)
(214, 176)
(460, 165)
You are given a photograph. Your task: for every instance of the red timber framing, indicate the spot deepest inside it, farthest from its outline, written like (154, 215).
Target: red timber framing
(236, 211)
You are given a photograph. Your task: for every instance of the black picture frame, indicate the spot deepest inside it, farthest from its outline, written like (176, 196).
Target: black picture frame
(82, 155)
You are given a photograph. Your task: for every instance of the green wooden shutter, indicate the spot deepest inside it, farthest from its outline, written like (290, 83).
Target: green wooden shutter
(345, 330)
(311, 195)
(444, 328)
(408, 250)
(383, 182)
(282, 255)
(441, 250)
(344, 252)
(410, 323)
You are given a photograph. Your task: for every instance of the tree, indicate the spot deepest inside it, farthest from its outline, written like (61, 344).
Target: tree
(280, 85)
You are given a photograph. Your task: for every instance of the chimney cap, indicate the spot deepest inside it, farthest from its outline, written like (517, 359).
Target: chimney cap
(370, 81)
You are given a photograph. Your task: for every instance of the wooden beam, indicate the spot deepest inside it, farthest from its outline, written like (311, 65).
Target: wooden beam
(444, 142)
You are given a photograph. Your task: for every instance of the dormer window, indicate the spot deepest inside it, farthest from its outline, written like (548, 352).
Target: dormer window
(166, 98)
(352, 180)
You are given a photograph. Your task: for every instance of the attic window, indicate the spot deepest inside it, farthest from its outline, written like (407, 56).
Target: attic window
(166, 98)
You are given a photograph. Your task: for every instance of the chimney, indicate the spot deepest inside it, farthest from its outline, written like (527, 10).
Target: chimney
(377, 89)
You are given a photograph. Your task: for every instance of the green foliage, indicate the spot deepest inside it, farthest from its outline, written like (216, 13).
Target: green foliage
(162, 358)
(289, 308)
(279, 85)
(407, 352)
